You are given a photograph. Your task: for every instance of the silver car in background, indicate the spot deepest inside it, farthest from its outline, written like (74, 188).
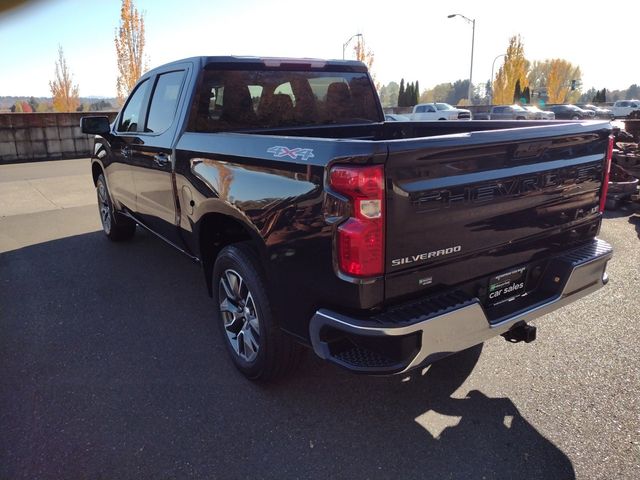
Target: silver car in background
(505, 112)
(395, 117)
(598, 111)
(539, 114)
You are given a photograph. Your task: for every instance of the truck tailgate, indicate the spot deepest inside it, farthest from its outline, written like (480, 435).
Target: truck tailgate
(471, 205)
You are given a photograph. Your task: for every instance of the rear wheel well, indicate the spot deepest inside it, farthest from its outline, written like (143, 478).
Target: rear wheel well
(96, 170)
(216, 232)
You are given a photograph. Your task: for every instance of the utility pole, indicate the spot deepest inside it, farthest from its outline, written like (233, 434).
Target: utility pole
(473, 37)
(344, 45)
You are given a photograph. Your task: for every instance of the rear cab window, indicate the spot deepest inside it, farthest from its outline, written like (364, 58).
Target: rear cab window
(164, 101)
(266, 97)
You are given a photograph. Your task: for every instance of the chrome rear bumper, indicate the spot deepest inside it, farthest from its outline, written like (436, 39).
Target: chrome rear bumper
(434, 329)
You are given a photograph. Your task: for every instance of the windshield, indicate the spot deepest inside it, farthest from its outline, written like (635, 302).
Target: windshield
(248, 99)
(533, 109)
(518, 108)
(443, 106)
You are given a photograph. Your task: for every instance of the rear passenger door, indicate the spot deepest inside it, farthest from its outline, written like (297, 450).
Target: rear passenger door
(430, 112)
(152, 157)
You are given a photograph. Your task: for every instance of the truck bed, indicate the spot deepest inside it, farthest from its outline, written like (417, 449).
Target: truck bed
(496, 193)
(414, 129)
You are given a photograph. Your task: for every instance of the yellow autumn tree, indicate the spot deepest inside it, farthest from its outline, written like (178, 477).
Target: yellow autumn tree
(64, 92)
(515, 68)
(363, 54)
(130, 43)
(560, 74)
(537, 75)
(427, 96)
(366, 56)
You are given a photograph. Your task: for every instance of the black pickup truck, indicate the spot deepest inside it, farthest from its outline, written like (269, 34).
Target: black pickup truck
(382, 246)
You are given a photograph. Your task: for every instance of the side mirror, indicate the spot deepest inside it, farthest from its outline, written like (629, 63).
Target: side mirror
(95, 125)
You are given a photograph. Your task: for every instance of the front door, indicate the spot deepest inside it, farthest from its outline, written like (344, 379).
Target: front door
(152, 158)
(118, 168)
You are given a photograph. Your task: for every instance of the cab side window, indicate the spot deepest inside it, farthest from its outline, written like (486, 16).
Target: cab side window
(164, 102)
(133, 112)
(425, 109)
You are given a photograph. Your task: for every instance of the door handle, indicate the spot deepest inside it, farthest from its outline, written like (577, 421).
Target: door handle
(161, 159)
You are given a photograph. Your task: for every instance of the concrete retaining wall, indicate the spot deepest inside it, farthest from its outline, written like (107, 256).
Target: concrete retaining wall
(27, 137)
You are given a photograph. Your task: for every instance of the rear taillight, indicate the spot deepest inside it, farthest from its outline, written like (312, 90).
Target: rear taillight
(607, 169)
(360, 239)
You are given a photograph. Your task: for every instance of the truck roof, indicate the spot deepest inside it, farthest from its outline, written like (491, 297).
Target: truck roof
(275, 62)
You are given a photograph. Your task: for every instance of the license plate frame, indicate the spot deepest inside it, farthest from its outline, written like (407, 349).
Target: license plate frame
(506, 286)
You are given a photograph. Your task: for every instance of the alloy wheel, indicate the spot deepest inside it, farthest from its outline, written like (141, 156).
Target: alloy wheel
(239, 315)
(103, 205)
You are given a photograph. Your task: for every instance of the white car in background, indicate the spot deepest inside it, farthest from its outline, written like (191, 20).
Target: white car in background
(622, 108)
(439, 111)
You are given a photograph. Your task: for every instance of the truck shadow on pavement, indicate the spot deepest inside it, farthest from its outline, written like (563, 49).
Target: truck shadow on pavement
(635, 220)
(111, 367)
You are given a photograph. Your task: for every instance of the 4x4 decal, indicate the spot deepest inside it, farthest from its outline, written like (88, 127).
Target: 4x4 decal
(280, 151)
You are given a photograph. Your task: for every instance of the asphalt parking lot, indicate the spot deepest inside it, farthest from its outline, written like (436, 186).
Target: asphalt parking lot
(110, 367)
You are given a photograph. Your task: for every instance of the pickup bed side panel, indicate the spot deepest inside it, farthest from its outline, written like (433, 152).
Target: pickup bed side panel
(277, 193)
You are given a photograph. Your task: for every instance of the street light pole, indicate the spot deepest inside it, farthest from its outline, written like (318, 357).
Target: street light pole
(344, 45)
(473, 38)
(492, 67)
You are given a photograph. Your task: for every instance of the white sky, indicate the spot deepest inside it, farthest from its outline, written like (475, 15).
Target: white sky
(410, 39)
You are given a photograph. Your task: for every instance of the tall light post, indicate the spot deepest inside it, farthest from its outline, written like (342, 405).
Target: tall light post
(344, 45)
(492, 67)
(473, 37)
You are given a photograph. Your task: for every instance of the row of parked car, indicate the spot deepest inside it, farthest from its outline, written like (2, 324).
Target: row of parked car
(444, 111)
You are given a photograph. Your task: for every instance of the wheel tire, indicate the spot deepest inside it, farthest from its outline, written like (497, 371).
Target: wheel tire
(116, 226)
(611, 204)
(257, 346)
(575, 117)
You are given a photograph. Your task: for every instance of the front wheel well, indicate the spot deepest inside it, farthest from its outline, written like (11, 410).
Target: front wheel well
(216, 232)
(96, 170)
